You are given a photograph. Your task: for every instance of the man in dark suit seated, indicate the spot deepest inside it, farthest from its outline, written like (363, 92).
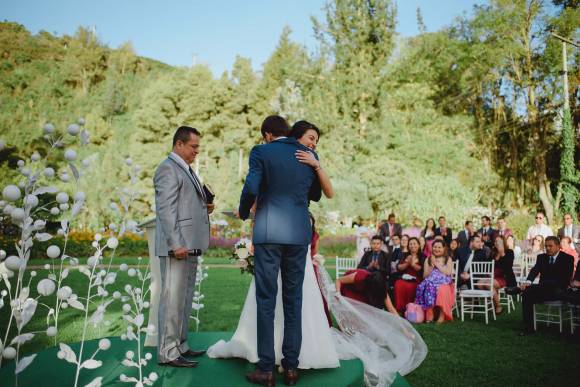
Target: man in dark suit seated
(375, 258)
(555, 269)
(396, 250)
(475, 252)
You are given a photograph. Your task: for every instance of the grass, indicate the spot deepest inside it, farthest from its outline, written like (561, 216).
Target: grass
(460, 354)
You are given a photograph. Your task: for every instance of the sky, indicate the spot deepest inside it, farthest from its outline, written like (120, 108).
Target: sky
(213, 32)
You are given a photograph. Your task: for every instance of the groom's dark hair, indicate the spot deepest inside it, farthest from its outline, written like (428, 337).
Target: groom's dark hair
(275, 125)
(183, 134)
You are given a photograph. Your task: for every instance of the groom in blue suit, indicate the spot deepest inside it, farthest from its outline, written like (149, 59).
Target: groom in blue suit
(282, 187)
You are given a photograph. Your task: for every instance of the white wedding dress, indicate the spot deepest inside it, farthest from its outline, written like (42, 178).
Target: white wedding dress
(318, 349)
(384, 342)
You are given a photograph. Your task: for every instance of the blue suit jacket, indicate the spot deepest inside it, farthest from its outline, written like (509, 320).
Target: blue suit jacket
(283, 187)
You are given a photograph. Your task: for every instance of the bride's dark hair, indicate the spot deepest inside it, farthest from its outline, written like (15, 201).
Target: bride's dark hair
(376, 288)
(300, 127)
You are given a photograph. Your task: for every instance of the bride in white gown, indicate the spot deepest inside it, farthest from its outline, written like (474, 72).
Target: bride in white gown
(384, 342)
(318, 349)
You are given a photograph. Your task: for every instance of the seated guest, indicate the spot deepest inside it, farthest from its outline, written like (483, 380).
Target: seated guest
(503, 274)
(368, 287)
(475, 252)
(375, 258)
(511, 244)
(429, 231)
(566, 246)
(502, 229)
(436, 294)
(537, 247)
(464, 235)
(572, 231)
(572, 294)
(410, 269)
(423, 244)
(405, 244)
(396, 249)
(452, 251)
(390, 228)
(555, 270)
(486, 231)
(415, 229)
(443, 230)
(539, 228)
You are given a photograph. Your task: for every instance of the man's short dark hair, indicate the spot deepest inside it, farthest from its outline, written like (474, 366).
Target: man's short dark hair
(471, 238)
(486, 218)
(377, 238)
(183, 134)
(301, 127)
(467, 223)
(392, 215)
(275, 125)
(441, 217)
(552, 238)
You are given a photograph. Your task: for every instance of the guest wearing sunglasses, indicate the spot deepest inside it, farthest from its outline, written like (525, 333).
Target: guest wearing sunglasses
(539, 228)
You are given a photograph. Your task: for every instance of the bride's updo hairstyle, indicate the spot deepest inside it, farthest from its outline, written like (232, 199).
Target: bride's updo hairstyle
(301, 127)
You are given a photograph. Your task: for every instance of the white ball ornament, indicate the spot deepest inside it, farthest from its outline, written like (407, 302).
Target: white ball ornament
(104, 344)
(112, 243)
(51, 331)
(39, 224)
(70, 155)
(79, 196)
(7, 210)
(98, 237)
(81, 121)
(53, 251)
(45, 287)
(11, 193)
(18, 215)
(49, 172)
(148, 356)
(35, 156)
(47, 266)
(2, 255)
(129, 162)
(31, 200)
(20, 163)
(12, 263)
(9, 353)
(153, 376)
(73, 129)
(25, 171)
(126, 308)
(116, 295)
(64, 293)
(132, 272)
(64, 305)
(54, 211)
(65, 177)
(48, 128)
(130, 354)
(123, 267)
(63, 206)
(62, 197)
(86, 163)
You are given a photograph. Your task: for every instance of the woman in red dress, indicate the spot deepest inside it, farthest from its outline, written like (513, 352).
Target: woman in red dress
(409, 268)
(366, 286)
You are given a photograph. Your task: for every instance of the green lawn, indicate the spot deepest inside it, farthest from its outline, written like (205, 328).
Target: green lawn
(460, 354)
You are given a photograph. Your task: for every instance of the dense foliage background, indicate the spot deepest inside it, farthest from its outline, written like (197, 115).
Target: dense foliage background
(459, 122)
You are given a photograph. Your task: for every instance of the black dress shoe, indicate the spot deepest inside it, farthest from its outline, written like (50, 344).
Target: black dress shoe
(291, 377)
(263, 378)
(191, 353)
(180, 362)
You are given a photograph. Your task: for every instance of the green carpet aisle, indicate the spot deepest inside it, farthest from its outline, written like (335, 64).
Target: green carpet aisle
(48, 370)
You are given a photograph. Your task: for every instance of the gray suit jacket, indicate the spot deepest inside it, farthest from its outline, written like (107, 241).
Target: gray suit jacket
(182, 218)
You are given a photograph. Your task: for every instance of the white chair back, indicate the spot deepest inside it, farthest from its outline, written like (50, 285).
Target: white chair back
(344, 264)
(482, 273)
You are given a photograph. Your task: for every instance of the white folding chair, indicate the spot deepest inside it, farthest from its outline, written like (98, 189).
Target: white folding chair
(344, 264)
(482, 273)
(549, 312)
(574, 311)
(506, 300)
(456, 282)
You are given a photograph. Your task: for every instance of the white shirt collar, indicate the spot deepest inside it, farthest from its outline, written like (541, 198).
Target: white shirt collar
(181, 161)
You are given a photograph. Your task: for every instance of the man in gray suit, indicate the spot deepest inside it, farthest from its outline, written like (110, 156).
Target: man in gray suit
(182, 234)
(570, 230)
